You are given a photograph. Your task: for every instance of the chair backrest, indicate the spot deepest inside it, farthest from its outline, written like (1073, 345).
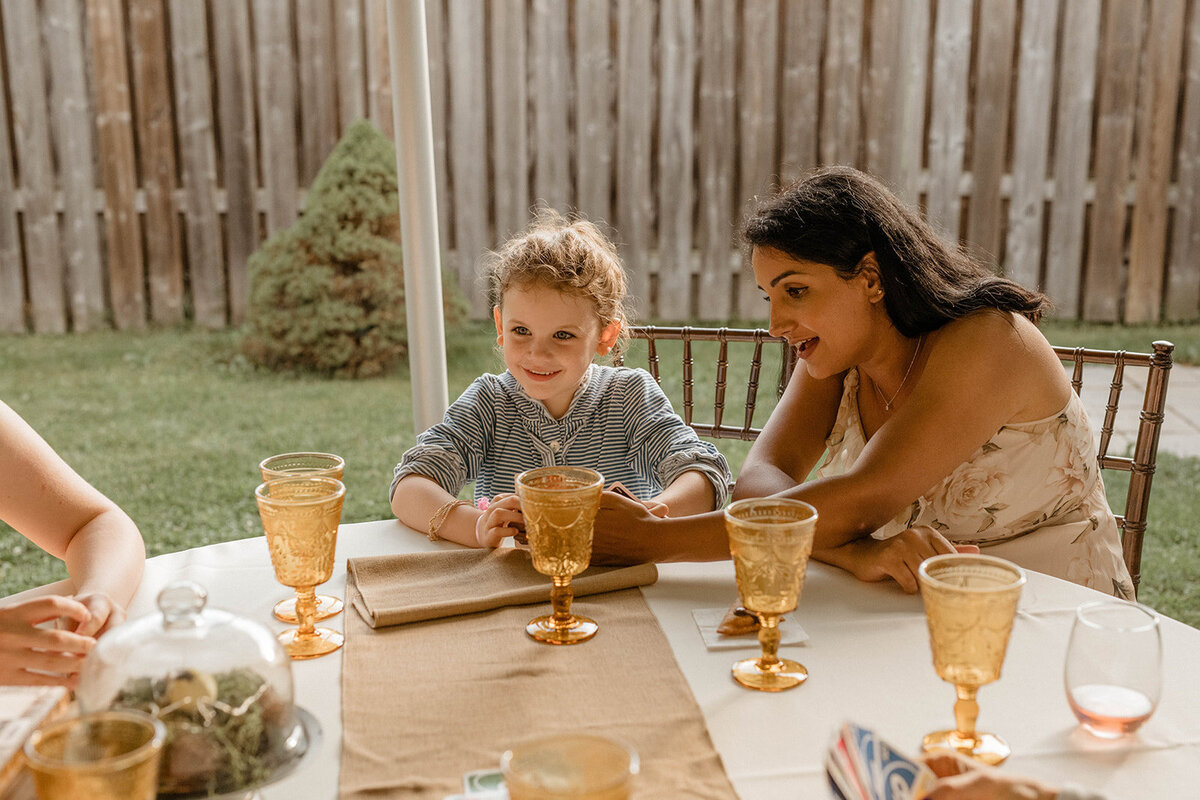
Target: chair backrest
(1141, 464)
(749, 349)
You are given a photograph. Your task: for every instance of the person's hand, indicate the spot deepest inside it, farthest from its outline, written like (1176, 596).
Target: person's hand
(25, 647)
(501, 518)
(960, 778)
(656, 508)
(897, 557)
(105, 614)
(621, 526)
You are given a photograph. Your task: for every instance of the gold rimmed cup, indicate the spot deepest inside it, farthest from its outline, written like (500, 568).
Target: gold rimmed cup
(300, 516)
(106, 755)
(559, 505)
(770, 539)
(970, 605)
(288, 465)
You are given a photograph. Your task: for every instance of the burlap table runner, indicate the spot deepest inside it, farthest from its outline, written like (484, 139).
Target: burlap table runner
(398, 589)
(424, 703)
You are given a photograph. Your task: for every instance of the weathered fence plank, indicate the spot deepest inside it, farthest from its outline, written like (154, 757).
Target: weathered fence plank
(550, 71)
(379, 69)
(948, 116)
(72, 122)
(1073, 134)
(12, 283)
(156, 157)
(349, 62)
(1114, 142)
(676, 158)
(989, 148)
(635, 134)
(1183, 272)
(840, 98)
(189, 51)
(318, 101)
(31, 132)
(510, 126)
(757, 115)
(239, 164)
(909, 129)
(593, 103)
(718, 154)
(1031, 136)
(276, 91)
(1158, 98)
(882, 99)
(804, 29)
(468, 144)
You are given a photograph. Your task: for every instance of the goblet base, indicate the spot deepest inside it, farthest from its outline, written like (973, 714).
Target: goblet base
(579, 629)
(327, 606)
(986, 748)
(785, 674)
(321, 642)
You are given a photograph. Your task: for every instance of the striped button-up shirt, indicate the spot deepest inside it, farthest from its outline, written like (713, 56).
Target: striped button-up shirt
(619, 423)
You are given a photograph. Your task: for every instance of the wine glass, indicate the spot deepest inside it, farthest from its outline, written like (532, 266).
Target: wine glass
(970, 604)
(770, 539)
(1113, 673)
(286, 465)
(300, 516)
(559, 505)
(569, 766)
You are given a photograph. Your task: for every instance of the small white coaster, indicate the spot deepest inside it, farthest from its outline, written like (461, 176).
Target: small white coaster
(707, 620)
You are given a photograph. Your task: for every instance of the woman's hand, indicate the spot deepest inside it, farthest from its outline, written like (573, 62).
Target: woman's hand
(897, 557)
(105, 614)
(502, 518)
(963, 779)
(622, 525)
(24, 647)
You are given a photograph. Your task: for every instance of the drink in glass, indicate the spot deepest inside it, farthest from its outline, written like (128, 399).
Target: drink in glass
(300, 516)
(1113, 672)
(569, 766)
(107, 755)
(970, 605)
(286, 465)
(770, 539)
(559, 505)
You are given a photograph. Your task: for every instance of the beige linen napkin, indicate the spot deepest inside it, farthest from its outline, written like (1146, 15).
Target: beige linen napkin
(398, 589)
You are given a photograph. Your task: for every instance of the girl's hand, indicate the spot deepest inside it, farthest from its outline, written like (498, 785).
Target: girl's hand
(105, 614)
(502, 518)
(656, 508)
(24, 647)
(897, 558)
(963, 779)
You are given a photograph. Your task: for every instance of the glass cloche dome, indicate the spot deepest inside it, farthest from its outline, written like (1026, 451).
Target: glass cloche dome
(221, 684)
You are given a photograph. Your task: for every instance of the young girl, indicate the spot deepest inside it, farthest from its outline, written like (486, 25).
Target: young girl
(558, 294)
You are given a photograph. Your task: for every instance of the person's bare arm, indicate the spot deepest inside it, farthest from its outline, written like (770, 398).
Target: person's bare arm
(690, 493)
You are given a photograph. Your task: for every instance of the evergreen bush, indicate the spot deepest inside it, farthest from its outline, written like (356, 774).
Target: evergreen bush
(327, 293)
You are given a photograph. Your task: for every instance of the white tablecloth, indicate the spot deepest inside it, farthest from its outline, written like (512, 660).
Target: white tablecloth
(868, 660)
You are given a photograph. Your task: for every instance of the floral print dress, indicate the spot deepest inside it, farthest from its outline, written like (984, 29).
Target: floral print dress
(1031, 494)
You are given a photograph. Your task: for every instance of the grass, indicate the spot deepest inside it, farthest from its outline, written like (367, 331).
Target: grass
(171, 425)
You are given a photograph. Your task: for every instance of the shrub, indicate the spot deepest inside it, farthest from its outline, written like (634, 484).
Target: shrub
(327, 293)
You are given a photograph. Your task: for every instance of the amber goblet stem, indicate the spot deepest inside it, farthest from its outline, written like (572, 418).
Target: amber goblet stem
(966, 711)
(560, 598)
(306, 611)
(768, 637)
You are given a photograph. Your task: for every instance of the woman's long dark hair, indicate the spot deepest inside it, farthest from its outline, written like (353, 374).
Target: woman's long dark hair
(836, 215)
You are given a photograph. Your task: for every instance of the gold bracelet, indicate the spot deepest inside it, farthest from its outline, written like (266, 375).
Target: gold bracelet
(441, 515)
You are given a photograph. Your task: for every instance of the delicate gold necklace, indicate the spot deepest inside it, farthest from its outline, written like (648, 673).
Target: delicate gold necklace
(887, 404)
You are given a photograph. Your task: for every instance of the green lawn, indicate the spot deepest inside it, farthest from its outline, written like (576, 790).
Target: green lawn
(171, 425)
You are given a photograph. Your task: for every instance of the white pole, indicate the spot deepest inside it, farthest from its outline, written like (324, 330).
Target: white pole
(408, 53)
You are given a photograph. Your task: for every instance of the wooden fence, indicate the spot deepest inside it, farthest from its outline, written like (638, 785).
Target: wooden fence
(148, 146)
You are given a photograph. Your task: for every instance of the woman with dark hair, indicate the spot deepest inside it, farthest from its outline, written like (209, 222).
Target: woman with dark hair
(940, 415)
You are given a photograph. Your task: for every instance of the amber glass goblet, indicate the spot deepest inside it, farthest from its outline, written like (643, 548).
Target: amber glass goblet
(970, 604)
(770, 539)
(288, 465)
(559, 505)
(300, 516)
(107, 755)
